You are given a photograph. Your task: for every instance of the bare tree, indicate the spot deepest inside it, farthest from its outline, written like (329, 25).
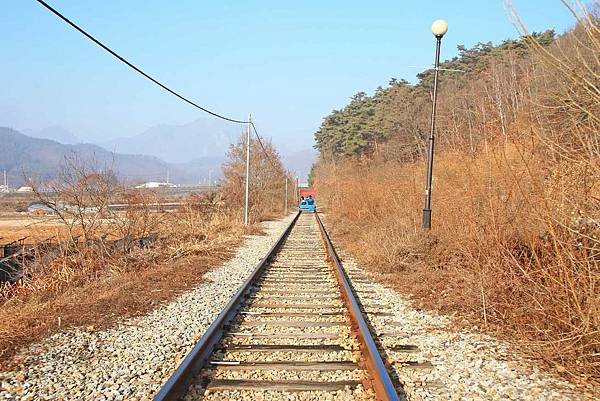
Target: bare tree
(80, 196)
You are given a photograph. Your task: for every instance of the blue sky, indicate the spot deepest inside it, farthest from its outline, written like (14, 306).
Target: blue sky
(289, 63)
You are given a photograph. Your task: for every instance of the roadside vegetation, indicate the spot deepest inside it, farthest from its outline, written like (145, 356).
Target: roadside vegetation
(515, 246)
(112, 263)
(267, 175)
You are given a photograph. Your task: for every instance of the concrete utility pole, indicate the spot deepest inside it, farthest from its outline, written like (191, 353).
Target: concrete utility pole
(247, 170)
(439, 29)
(209, 178)
(5, 182)
(286, 195)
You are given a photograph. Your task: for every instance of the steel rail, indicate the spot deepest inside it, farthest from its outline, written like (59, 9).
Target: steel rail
(177, 385)
(379, 377)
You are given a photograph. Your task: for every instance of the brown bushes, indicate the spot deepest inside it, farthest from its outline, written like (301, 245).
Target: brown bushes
(97, 283)
(501, 250)
(267, 180)
(116, 260)
(515, 243)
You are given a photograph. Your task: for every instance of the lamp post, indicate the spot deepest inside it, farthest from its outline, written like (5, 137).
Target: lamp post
(439, 29)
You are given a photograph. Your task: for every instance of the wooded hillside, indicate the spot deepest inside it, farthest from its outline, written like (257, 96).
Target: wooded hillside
(480, 88)
(24, 156)
(515, 243)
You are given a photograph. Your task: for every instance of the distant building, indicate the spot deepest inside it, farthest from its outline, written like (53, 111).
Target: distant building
(4, 188)
(153, 184)
(25, 189)
(39, 208)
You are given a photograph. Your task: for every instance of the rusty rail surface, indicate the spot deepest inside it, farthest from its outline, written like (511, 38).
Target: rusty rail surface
(177, 385)
(378, 377)
(380, 380)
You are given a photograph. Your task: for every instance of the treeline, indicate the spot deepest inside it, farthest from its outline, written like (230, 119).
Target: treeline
(267, 190)
(516, 193)
(480, 88)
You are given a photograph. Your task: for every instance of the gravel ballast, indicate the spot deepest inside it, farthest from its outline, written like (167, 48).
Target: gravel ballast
(431, 359)
(132, 360)
(330, 372)
(450, 364)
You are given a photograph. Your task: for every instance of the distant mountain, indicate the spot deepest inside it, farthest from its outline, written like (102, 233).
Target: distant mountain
(24, 155)
(180, 143)
(194, 151)
(300, 162)
(204, 168)
(55, 133)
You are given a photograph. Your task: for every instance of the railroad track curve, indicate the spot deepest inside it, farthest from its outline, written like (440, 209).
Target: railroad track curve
(294, 326)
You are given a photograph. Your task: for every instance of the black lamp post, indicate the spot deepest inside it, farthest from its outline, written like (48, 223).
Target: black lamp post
(439, 29)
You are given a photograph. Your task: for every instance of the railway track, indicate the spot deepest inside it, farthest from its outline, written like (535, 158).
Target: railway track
(294, 326)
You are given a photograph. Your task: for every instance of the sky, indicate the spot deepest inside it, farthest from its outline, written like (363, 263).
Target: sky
(288, 63)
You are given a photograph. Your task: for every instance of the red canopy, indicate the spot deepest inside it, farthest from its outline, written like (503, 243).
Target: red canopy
(305, 192)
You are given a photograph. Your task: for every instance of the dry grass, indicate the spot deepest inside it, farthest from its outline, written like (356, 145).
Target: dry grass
(11, 202)
(505, 251)
(92, 287)
(515, 245)
(99, 302)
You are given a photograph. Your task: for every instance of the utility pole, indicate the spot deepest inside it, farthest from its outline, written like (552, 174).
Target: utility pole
(439, 29)
(286, 195)
(247, 170)
(5, 182)
(209, 178)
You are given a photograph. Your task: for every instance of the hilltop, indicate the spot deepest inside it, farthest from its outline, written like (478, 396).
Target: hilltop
(22, 156)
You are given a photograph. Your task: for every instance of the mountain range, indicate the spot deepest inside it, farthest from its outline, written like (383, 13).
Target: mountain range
(55, 133)
(199, 139)
(189, 153)
(24, 156)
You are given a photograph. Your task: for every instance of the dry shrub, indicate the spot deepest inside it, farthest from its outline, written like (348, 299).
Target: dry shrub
(267, 181)
(201, 226)
(504, 248)
(97, 283)
(117, 261)
(515, 244)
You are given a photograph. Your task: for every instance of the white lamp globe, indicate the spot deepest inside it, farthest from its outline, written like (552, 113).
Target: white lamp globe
(439, 27)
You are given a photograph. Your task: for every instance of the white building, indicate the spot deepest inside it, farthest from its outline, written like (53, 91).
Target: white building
(153, 184)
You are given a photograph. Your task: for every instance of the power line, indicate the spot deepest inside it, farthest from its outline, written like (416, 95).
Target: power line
(155, 81)
(137, 69)
(263, 147)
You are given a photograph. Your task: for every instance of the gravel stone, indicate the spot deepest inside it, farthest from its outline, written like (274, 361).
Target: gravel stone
(132, 360)
(463, 365)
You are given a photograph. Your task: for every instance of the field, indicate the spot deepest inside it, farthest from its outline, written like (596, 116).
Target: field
(95, 280)
(32, 228)
(13, 202)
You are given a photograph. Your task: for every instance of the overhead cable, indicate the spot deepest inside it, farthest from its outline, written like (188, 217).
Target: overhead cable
(155, 81)
(137, 69)
(263, 147)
